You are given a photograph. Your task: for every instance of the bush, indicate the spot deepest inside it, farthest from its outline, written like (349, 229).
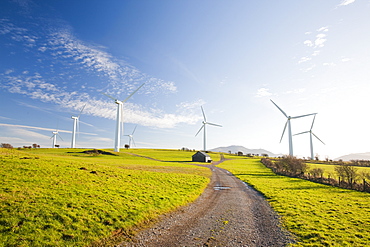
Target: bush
(291, 165)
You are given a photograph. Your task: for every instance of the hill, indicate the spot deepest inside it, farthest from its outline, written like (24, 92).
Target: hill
(234, 149)
(355, 156)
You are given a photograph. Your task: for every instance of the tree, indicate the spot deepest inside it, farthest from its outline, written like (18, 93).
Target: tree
(346, 172)
(6, 145)
(127, 146)
(317, 172)
(35, 145)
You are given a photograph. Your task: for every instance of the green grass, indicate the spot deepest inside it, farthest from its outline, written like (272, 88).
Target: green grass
(62, 197)
(329, 169)
(318, 215)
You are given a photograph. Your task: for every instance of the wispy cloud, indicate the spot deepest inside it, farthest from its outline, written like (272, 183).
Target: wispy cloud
(66, 59)
(314, 46)
(263, 92)
(296, 91)
(40, 128)
(346, 2)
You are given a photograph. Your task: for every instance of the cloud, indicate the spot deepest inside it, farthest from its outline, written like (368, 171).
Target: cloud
(346, 2)
(40, 128)
(69, 72)
(263, 92)
(304, 59)
(296, 91)
(308, 43)
(314, 45)
(320, 40)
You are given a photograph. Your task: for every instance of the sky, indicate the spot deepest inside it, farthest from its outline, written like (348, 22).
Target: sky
(230, 57)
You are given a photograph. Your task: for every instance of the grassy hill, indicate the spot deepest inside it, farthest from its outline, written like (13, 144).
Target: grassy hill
(69, 197)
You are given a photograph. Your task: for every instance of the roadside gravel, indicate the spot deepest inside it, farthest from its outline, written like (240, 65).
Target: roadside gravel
(228, 213)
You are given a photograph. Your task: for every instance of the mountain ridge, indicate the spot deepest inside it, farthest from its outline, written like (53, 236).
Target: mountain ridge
(236, 148)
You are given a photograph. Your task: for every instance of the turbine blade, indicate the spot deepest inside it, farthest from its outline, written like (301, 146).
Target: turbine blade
(204, 115)
(313, 121)
(199, 130)
(60, 137)
(301, 133)
(81, 111)
(214, 124)
(109, 96)
(134, 130)
(133, 141)
(303, 115)
(279, 108)
(133, 93)
(318, 138)
(286, 123)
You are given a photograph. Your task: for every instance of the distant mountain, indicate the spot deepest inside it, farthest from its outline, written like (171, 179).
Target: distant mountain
(356, 156)
(234, 149)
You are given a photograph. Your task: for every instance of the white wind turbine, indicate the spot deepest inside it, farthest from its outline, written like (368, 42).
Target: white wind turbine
(76, 123)
(131, 137)
(311, 133)
(119, 119)
(204, 129)
(289, 127)
(54, 136)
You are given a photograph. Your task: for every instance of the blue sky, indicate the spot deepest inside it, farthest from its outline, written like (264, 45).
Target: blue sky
(231, 57)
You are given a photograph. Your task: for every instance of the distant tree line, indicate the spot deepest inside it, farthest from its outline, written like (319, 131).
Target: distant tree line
(7, 145)
(345, 175)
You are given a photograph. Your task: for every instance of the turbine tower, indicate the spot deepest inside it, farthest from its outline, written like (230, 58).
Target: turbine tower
(289, 127)
(54, 136)
(204, 129)
(119, 119)
(311, 133)
(76, 123)
(131, 137)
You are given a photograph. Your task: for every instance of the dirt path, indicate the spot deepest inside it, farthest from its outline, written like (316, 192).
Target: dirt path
(228, 213)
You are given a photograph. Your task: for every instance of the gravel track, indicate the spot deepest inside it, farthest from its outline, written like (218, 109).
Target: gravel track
(228, 213)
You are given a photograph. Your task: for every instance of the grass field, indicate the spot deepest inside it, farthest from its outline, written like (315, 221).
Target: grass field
(329, 169)
(63, 197)
(318, 215)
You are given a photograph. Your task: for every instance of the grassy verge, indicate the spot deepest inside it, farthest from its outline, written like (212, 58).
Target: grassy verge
(51, 197)
(318, 215)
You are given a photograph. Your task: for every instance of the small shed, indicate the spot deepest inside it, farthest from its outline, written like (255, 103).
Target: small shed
(201, 157)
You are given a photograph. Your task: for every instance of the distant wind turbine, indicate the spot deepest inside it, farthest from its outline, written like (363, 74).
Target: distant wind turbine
(54, 136)
(289, 127)
(119, 119)
(76, 123)
(131, 137)
(311, 133)
(204, 129)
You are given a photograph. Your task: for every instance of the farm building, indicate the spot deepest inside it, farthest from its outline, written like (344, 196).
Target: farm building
(201, 157)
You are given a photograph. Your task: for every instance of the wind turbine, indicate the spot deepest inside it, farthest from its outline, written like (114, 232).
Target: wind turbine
(54, 136)
(311, 133)
(289, 127)
(131, 137)
(204, 128)
(76, 124)
(119, 119)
